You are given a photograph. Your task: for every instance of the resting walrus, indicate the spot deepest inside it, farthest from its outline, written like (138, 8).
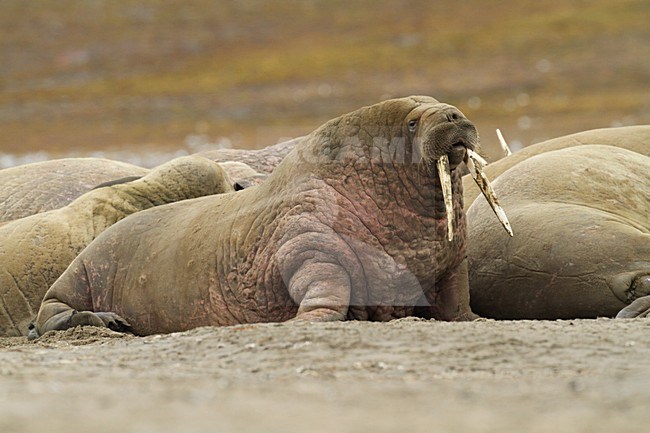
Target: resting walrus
(35, 250)
(582, 243)
(351, 224)
(32, 188)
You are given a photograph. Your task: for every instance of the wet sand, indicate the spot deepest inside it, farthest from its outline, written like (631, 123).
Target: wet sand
(406, 375)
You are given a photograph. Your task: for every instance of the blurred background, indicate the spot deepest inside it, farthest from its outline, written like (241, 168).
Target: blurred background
(144, 81)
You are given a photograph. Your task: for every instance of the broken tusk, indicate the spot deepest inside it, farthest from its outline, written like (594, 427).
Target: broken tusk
(504, 144)
(444, 173)
(486, 188)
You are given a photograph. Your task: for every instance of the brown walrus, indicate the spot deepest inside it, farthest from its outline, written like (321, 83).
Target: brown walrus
(634, 138)
(351, 224)
(32, 188)
(35, 250)
(582, 238)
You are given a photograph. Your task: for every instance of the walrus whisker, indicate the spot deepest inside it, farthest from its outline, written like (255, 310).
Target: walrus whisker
(488, 192)
(424, 165)
(429, 168)
(504, 143)
(444, 173)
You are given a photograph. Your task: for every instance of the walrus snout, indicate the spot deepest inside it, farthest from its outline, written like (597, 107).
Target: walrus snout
(465, 134)
(460, 137)
(450, 133)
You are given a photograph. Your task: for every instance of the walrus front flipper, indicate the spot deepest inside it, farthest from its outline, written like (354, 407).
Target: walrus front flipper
(639, 308)
(450, 301)
(70, 318)
(68, 304)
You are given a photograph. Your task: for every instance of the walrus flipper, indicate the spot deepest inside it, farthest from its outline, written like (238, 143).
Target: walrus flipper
(639, 308)
(450, 301)
(71, 318)
(67, 304)
(113, 321)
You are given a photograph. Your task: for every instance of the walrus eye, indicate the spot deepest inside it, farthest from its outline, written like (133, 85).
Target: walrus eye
(412, 125)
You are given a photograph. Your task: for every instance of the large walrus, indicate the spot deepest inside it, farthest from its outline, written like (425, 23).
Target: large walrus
(32, 188)
(352, 224)
(35, 250)
(582, 237)
(634, 138)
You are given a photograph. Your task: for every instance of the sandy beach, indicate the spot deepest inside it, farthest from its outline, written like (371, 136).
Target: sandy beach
(406, 375)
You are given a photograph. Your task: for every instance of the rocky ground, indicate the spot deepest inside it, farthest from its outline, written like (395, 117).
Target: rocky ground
(407, 375)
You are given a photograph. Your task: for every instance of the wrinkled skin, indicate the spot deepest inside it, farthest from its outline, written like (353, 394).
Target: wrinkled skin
(346, 227)
(634, 138)
(35, 250)
(33, 188)
(581, 247)
(262, 160)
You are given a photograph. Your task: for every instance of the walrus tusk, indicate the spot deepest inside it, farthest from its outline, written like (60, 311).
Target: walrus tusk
(486, 188)
(476, 158)
(444, 173)
(504, 144)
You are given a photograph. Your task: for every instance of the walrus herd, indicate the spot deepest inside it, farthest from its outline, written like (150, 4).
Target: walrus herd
(35, 250)
(369, 217)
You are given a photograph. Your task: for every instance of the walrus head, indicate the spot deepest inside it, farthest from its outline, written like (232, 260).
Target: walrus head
(442, 135)
(417, 136)
(438, 129)
(412, 130)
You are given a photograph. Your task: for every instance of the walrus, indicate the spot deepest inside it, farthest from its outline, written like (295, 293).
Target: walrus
(582, 242)
(634, 138)
(41, 186)
(35, 250)
(262, 160)
(351, 225)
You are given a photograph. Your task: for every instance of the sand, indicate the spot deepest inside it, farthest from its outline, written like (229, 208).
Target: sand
(407, 375)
